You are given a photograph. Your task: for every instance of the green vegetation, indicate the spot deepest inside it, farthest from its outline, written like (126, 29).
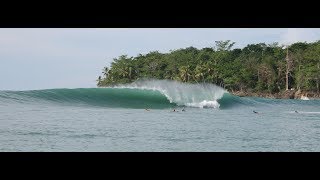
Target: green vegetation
(254, 68)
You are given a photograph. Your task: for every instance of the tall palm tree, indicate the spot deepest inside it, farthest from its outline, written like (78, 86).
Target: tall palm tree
(99, 81)
(210, 72)
(199, 73)
(185, 73)
(105, 72)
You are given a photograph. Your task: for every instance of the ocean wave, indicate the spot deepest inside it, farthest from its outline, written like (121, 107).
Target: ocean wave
(155, 94)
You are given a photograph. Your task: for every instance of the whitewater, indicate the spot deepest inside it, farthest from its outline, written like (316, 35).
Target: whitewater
(193, 95)
(115, 119)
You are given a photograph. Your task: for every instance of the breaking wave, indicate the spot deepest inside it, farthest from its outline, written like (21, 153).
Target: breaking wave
(156, 94)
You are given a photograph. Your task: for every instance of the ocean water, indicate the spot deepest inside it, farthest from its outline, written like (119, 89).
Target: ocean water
(115, 119)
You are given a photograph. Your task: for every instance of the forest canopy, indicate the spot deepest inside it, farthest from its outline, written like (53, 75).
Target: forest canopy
(256, 67)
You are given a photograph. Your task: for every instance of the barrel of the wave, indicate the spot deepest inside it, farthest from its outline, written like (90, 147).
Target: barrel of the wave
(201, 95)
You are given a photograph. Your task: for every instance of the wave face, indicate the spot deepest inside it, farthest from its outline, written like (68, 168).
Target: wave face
(99, 97)
(140, 94)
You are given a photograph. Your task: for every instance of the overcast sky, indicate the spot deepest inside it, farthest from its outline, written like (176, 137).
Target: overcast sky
(74, 58)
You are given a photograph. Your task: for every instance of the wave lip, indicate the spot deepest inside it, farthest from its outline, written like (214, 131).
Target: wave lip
(183, 94)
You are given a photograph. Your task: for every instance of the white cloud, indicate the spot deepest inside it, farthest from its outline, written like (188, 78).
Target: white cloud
(293, 35)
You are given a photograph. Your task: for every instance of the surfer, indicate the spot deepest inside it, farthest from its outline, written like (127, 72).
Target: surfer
(147, 109)
(255, 112)
(174, 110)
(296, 111)
(183, 109)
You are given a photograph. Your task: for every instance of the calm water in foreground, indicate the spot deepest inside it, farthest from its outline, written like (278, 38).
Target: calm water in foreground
(45, 126)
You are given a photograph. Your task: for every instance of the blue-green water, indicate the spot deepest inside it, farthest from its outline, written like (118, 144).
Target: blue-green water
(115, 119)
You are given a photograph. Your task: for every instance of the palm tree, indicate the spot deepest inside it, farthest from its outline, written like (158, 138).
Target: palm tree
(130, 72)
(169, 75)
(185, 73)
(127, 72)
(99, 81)
(199, 73)
(210, 72)
(105, 72)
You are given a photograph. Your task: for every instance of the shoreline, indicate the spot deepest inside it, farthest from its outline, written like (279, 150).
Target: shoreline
(289, 94)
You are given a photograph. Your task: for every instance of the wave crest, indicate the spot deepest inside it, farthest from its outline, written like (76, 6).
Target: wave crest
(183, 94)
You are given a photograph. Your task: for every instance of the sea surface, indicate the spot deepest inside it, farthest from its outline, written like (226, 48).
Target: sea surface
(116, 119)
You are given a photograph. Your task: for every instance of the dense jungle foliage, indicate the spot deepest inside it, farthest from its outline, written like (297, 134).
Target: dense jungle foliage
(256, 67)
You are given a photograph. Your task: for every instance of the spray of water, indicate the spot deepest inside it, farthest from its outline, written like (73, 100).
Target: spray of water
(185, 94)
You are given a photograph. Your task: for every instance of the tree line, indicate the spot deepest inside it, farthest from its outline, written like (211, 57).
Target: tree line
(256, 67)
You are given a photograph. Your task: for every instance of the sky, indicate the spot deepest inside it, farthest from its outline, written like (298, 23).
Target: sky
(46, 58)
